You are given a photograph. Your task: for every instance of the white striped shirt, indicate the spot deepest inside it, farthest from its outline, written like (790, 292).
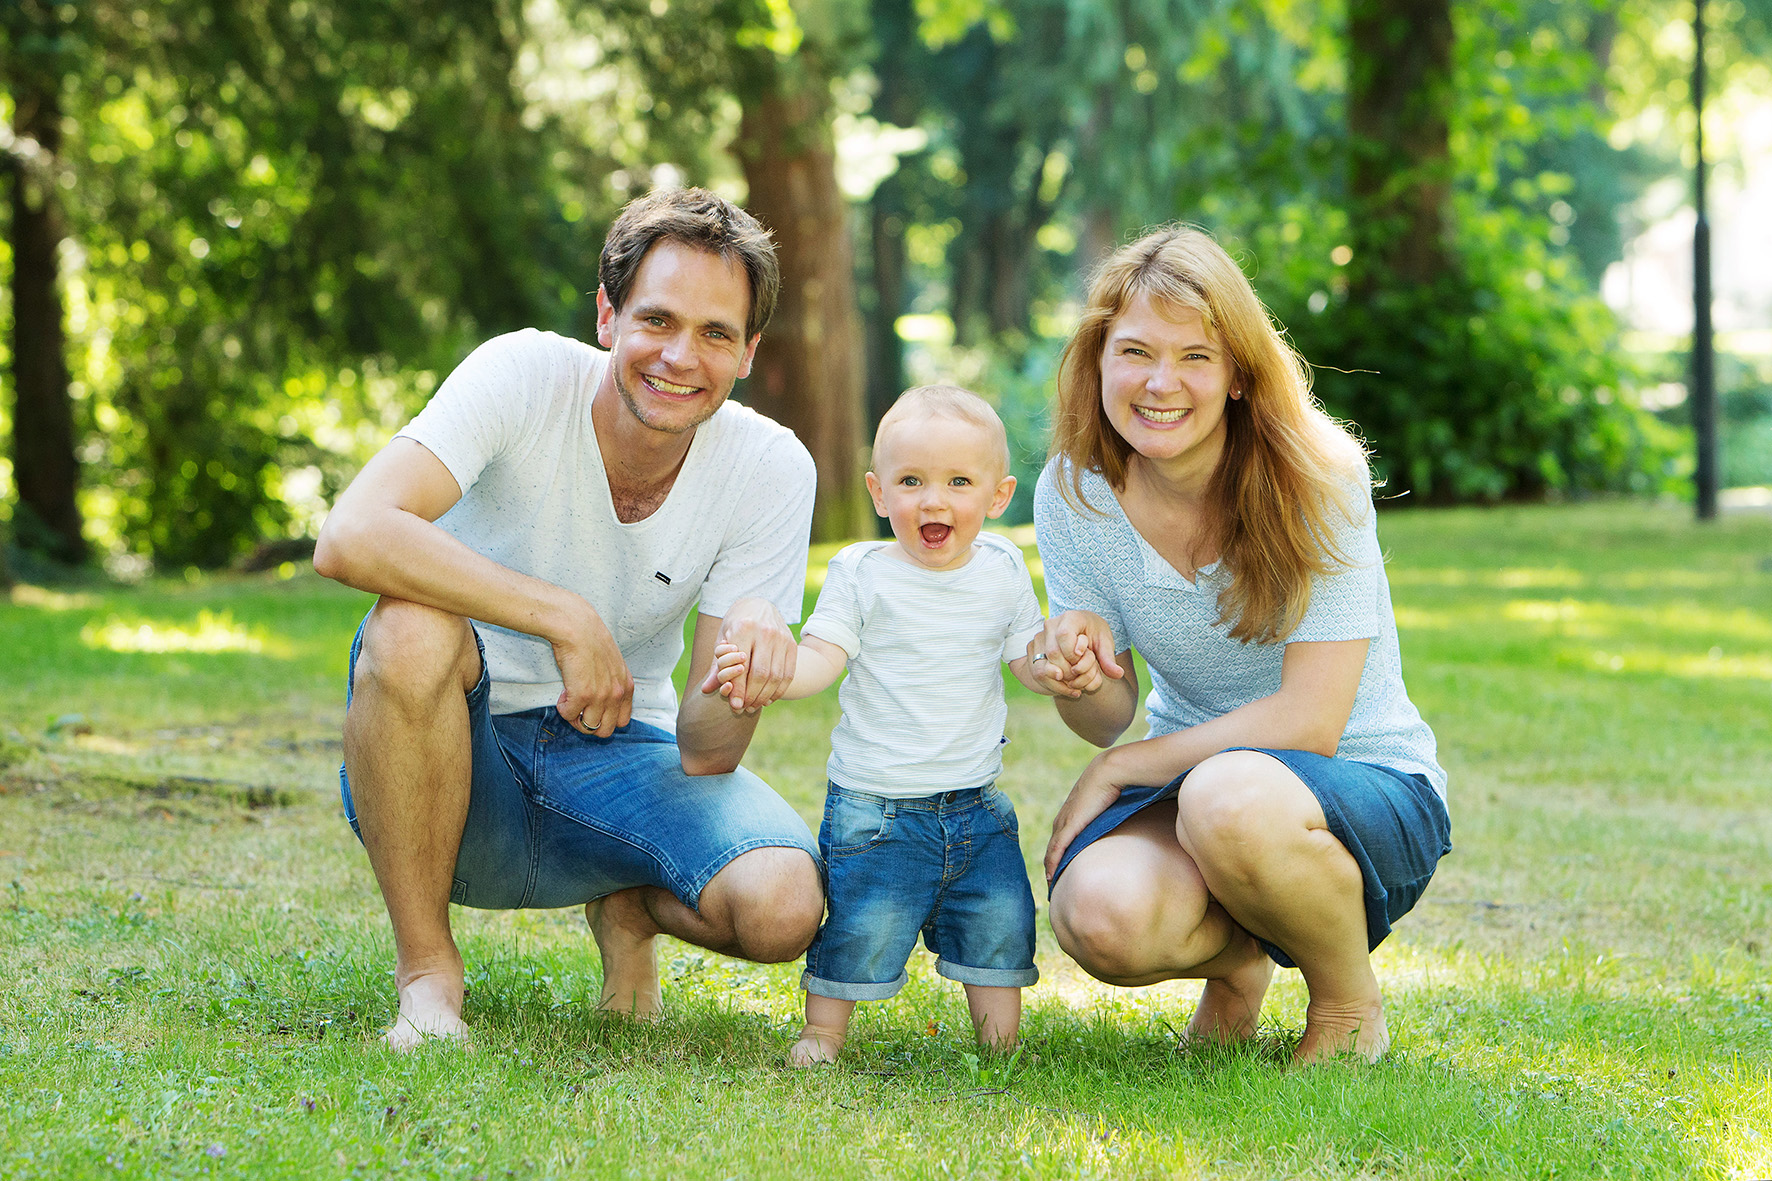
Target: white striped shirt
(923, 706)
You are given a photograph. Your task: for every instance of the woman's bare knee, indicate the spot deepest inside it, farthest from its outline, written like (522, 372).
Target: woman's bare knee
(1236, 798)
(1106, 925)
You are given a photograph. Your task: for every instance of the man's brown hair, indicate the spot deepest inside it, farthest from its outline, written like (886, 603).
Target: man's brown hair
(696, 218)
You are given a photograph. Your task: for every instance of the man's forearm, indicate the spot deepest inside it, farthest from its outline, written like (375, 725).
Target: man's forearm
(388, 551)
(711, 738)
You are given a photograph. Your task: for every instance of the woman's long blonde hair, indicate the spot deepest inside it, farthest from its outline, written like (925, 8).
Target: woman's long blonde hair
(1286, 464)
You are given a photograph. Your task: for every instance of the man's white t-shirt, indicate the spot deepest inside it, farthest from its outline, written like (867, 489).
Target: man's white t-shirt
(923, 707)
(513, 426)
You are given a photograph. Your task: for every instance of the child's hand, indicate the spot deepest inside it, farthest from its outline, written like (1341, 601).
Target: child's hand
(1086, 675)
(1073, 653)
(729, 668)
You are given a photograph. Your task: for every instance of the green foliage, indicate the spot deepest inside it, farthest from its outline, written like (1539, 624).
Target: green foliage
(273, 195)
(1503, 380)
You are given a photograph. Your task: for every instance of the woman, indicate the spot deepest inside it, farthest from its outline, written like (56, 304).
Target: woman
(1202, 508)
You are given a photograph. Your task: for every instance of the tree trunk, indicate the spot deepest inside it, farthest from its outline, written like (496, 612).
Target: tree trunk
(808, 373)
(1400, 175)
(887, 218)
(44, 468)
(897, 102)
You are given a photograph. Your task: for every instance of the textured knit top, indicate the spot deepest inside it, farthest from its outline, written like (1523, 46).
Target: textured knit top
(513, 426)
(1098, 562)
(923, 706)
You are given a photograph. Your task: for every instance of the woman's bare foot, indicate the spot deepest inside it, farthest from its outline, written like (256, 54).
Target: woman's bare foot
(1230, 1004)
(430, 1008)
(624, 932)
(1354, 1030)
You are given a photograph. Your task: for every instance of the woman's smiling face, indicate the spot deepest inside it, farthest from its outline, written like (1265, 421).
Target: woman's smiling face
(1165, 378)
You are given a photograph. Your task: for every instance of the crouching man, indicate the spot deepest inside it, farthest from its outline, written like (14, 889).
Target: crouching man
(537, 537)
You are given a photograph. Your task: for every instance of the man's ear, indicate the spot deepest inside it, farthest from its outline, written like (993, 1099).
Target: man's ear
(605, 319)
(750, 354)
(1000, 501)
(878, 493)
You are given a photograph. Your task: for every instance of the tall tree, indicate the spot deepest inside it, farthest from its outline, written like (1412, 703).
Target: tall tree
(1399, 100)
(809, 372)
(37, 42)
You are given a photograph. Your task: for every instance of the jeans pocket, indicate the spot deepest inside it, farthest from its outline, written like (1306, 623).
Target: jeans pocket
(998, 805)
(855, 822)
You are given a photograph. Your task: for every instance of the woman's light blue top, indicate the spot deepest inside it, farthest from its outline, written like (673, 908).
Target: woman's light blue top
(1098, 562)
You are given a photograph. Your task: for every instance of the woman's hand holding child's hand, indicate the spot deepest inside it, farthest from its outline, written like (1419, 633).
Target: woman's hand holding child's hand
(1074, 653)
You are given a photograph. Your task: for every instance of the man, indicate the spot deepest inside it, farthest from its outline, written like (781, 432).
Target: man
(574, 505)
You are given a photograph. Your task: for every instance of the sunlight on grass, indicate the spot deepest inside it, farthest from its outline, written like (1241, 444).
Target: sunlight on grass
(210, 634)
(25, 595)
(1557, 578)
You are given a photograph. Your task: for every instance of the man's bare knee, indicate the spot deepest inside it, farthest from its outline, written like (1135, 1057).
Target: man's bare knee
(773, 901)
(413, 651)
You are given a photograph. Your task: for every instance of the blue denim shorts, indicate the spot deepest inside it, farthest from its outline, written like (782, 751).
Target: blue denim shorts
(1393, 823)
(558, 818)
(948, 865)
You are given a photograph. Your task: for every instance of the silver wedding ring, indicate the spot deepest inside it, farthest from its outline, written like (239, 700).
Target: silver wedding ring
(1039, 656)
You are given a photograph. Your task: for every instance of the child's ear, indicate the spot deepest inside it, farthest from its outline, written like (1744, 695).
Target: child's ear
(878, 493)
(1000, 501)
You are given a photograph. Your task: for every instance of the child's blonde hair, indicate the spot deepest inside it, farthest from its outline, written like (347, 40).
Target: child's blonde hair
(1286, 464)
(949, 401)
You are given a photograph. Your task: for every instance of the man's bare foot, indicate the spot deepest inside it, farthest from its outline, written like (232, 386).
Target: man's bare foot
(430, 1008)
(1230, 1005)
(816, 1047)
(1343, 1031)
(625, 936)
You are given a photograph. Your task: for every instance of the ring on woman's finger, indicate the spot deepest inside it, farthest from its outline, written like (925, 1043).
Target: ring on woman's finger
(1038, 657)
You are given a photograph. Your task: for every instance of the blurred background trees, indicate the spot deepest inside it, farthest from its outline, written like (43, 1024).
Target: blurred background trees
(244, 239)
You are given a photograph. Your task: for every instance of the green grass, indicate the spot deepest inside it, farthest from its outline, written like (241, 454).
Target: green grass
(195, 961)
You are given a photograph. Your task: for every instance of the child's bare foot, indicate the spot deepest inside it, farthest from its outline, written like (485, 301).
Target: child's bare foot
(1230, 1005)
(815, 1049)
(1356, 1030)
(825, 1031)
(623, 931)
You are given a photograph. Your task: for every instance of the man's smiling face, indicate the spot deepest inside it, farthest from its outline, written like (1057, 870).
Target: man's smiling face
(678, 346)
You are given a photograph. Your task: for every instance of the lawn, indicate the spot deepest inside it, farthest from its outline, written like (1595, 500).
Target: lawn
(196, 964)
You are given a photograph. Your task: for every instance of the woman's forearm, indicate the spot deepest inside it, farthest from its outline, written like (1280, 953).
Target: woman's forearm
(1100, 718)
(1308, 712)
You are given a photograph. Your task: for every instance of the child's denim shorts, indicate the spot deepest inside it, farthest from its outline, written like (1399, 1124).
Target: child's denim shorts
(1393, 824)
(557, 817)
(948, 865)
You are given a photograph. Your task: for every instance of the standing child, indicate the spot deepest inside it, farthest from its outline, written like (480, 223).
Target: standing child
(916, 837)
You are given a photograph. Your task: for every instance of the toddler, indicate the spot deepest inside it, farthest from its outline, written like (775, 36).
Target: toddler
(916, 837)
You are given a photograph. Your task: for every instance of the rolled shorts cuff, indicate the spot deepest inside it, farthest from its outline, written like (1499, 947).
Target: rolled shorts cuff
(844, 990)
(988, 977)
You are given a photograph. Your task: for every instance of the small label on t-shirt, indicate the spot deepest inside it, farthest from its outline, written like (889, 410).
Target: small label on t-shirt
(662, 577)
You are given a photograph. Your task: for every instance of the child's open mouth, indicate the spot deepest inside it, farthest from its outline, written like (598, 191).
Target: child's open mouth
(935, 535)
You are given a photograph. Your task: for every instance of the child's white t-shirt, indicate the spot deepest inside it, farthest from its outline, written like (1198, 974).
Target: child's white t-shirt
(923, 707)
(513, 426)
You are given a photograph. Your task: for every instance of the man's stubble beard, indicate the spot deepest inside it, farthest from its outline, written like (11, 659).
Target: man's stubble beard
(633, 405)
